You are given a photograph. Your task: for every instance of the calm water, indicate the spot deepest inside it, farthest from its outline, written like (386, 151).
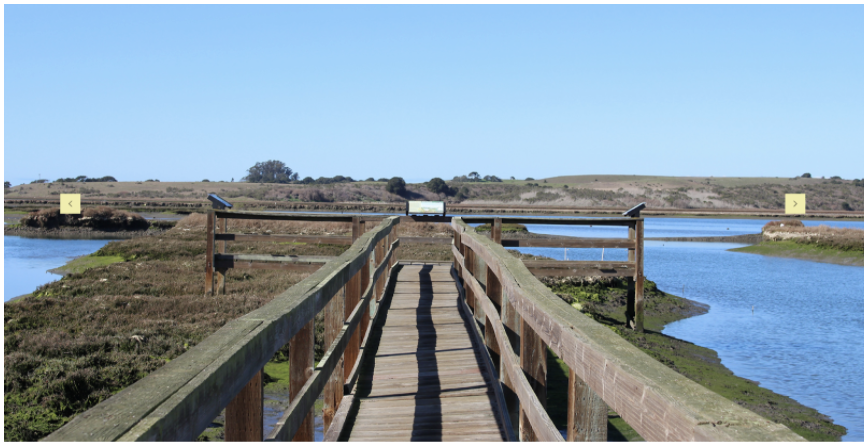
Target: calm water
(27, 260)
(793, 326)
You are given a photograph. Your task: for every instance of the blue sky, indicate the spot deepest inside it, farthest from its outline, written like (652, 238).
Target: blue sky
(183, 93)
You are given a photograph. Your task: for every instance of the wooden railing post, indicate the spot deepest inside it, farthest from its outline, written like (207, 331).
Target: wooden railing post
(208, 257)
(587, 414)
(639, 295)
(630, 311)
(301, 354)
(493, 292)
(220, 273)
(353, 292)
(533, 360)
(244, 415)
(496, 230)
(512, 327)
(334, 317)
(364, 285)
(479, 272)
(468, 257)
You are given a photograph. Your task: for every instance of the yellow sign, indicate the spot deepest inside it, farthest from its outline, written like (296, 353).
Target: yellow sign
(70, 203)
(795, 203)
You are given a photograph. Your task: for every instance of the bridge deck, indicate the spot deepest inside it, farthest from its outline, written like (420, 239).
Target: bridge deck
(426, 380)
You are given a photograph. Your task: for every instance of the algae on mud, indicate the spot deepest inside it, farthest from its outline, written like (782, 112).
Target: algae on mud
(809, 252)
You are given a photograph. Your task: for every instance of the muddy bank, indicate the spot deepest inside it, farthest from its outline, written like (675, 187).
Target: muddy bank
(753, 238)
(807, 252)
(78, 232)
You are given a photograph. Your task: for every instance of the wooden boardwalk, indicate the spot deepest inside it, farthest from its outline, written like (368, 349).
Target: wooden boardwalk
(426, 380)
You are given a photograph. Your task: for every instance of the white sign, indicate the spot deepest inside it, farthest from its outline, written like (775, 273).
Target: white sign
(425, 208)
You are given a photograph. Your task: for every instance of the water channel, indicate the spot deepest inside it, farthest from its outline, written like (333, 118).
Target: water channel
(793, 326)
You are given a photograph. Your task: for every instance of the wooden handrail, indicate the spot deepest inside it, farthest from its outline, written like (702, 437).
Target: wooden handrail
(657, 402)
(178, 401)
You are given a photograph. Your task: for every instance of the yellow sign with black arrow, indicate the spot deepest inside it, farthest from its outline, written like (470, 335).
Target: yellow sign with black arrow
(795, 204)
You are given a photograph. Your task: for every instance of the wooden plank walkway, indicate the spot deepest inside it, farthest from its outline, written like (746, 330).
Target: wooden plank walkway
(426, 380)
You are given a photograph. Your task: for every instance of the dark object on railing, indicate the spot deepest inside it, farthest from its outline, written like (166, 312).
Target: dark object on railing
(219, 203)
(634, 212)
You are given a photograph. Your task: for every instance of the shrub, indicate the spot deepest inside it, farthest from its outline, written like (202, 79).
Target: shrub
(396, 185)
(437, 185)
(785, 223)
(806, 175)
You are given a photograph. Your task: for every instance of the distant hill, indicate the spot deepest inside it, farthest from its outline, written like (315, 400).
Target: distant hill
(572, 191)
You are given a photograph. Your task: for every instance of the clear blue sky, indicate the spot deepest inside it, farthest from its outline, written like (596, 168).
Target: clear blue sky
(182, 93)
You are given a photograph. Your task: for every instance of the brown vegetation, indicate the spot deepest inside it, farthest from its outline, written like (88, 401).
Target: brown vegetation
(91, 217)
(197, 222)
(821, 236)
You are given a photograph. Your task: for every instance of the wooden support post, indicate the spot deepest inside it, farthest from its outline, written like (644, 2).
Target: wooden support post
(220, 274)
(493, 292)
(364, 283)
(380, 252)
(512, 322)
(301, 354)
(208, 254)
(468, 254)
(334, 317)
(630, 311)
(496, 230)
(587, 414)
(244, 415)
(479, 271)
(533, 361)
(639, 296)
(352, 298)
(355, 228)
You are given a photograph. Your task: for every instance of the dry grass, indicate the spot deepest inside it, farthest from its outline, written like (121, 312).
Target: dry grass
(821, 236)
(196, 222)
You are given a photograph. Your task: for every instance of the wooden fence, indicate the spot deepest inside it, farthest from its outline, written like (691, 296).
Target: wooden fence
(181, 399)
(521, 317)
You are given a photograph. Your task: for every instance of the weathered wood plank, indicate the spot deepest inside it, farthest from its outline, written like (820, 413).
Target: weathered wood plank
(414, 380)
(208, 254)
(304, 239)
(587, 414)
(574, 243)
(274, 216)
(332, 433)
(334, 317)
(533, 361)
(302, 361)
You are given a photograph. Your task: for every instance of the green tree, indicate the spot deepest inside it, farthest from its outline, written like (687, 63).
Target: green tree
(7, 184)
(272, 171)
(396, 185)
(437, 185)
(806, 175)
(474, 176)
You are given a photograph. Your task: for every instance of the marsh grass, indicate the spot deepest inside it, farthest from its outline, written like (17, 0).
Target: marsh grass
(93, 217)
